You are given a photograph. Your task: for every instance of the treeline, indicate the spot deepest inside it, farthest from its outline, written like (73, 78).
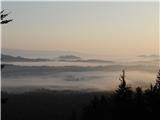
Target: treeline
(125, 104)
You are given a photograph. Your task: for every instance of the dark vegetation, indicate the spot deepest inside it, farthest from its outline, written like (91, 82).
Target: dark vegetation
(124, 103)
(46, 105)
(3, 17)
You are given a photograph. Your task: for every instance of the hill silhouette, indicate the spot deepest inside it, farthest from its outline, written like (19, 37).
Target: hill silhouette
(9, 58)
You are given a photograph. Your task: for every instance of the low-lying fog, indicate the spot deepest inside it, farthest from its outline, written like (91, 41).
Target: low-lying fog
(56, 75)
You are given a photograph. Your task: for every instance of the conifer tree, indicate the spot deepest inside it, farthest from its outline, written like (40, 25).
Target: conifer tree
(3, 17)
(158, 81)
(123, 92)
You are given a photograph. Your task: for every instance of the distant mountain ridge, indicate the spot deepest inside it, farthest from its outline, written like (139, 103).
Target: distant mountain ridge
(72, 58)
(39, 54)
(9, 58)
(66, 58)
(69, 57)
(96, 61)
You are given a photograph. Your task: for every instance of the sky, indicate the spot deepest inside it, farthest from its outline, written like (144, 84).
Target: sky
(101, 28)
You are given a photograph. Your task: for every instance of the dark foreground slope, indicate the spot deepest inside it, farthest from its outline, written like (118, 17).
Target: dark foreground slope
(45, 105)
(122, 104)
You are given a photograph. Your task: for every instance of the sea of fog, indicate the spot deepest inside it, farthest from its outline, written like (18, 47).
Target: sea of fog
(54, 75)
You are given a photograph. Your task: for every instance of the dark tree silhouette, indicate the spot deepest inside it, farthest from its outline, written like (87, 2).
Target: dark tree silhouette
(74, 115)
(123, 92)
(3, 17)
(4, 100)
(139, 95)
(158, 81)
(126, 104)
(139, 103)
(2, 66)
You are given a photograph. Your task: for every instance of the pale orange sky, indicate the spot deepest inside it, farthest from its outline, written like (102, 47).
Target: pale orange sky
(103, 28)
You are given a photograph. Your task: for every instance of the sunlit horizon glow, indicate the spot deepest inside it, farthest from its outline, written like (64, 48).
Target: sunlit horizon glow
(102, 28)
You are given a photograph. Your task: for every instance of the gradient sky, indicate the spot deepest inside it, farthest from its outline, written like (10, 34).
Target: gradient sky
(103, 28)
